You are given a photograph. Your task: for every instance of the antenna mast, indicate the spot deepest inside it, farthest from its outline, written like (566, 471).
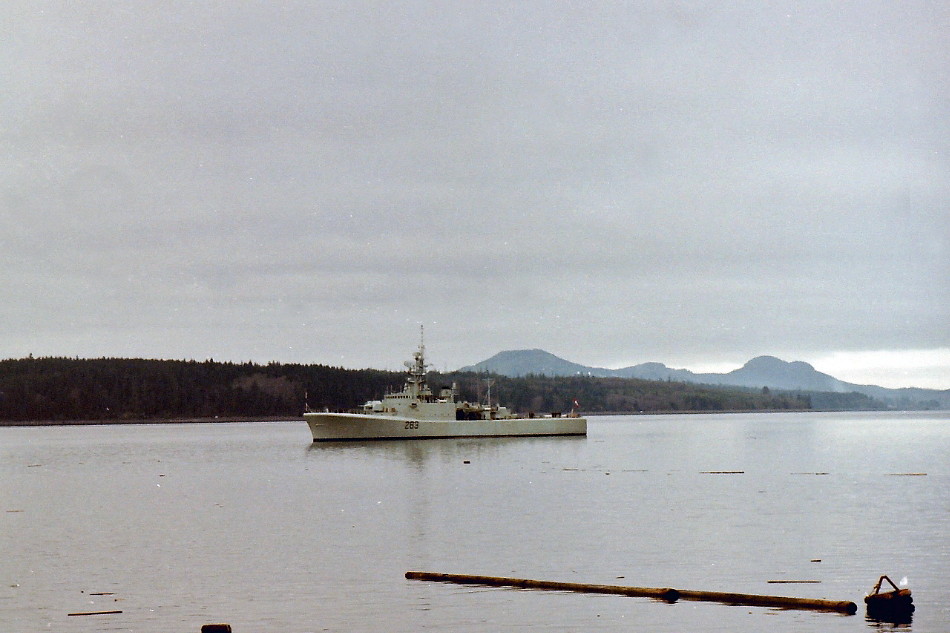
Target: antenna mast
(417, 368)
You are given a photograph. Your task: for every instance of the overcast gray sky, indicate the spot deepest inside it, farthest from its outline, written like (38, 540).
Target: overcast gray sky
(682, 182)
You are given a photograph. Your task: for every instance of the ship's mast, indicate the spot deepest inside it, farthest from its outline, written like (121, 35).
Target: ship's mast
(422, 344)
(417, 368)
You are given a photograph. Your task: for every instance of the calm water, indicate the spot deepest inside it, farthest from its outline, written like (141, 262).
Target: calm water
(253, 525)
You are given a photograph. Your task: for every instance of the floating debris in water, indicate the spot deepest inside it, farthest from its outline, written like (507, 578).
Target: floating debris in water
(94, 613)
(661, 593)
(895, 606)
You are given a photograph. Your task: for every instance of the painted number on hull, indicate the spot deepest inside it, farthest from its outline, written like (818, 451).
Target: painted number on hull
(412, 424)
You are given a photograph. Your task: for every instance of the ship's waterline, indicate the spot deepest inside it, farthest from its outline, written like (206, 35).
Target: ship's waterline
(353, 426)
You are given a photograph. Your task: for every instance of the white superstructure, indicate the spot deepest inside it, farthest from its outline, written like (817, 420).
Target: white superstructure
(417, 413)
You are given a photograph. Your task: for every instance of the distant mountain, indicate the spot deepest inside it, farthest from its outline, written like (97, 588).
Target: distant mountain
(522, 362)
(768, 371)
(762, 371)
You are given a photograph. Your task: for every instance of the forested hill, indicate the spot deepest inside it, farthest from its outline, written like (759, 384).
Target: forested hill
(134, 389)
(106, 389)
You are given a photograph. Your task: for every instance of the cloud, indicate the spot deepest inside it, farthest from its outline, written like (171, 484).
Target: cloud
(927, 368)
(616, 184)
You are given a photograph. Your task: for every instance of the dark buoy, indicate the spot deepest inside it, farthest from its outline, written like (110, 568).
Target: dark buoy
(890, 606)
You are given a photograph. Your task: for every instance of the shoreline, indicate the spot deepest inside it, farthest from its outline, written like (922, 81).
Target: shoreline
(252, 419)
(119, 422)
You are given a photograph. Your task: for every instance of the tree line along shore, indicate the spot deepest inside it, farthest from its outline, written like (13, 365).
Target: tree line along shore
(63, 390)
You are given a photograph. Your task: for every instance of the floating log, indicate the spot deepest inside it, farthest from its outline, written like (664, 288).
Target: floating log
(782, 602)
(662, 593)
(94, 613)
(216, 628)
